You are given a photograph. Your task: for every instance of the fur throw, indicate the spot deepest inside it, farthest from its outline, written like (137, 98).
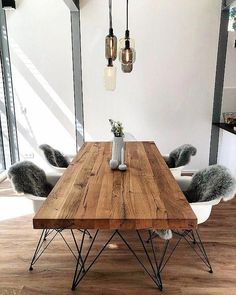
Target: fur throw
(54, 157)
(181, 156)
(211, 183)
(28, 178)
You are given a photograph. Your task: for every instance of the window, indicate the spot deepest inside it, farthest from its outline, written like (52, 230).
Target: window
(232, 20)
(8, 133)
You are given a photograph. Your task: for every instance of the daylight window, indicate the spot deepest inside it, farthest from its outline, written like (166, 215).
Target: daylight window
(232, 20)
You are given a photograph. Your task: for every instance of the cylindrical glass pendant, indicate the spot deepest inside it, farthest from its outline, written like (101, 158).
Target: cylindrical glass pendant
(111, 47)
(110, 78)
(127, 55)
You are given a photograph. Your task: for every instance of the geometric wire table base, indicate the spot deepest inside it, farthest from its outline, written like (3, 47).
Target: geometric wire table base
(155, 265)
(153, 271)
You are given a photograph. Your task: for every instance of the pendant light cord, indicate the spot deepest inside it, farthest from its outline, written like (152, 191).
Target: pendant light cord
(110, 13)
(127, 15)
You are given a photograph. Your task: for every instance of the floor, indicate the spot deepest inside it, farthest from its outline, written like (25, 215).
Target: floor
(117, 271)
(6, 189)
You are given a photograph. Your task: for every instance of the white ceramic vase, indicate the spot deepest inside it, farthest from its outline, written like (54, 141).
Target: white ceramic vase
(117, 145)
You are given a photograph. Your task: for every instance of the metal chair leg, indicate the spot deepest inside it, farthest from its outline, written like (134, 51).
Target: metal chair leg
(202, 249)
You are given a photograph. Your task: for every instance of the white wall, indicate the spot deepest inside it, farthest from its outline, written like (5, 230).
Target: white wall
(40, 47)
(227, 150)
(169, 95)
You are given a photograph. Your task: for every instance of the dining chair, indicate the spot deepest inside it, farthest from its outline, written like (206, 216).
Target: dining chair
(55, 159)
(205, 189)
(179, 158)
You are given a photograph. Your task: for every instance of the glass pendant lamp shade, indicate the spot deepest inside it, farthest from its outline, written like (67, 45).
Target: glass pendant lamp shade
(111, 46)
(110, 78)
(127, 58)
(111, 40)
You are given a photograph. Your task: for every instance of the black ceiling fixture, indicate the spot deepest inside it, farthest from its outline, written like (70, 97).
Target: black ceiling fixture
(8, 4)
(127, 54)
(111, 54)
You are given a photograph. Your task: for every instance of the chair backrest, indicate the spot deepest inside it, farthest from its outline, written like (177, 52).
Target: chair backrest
(212, 183)
(54, 157)
(181, 156)
(28, 178)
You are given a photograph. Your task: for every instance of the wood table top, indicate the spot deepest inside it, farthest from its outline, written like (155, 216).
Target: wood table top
(90, 195)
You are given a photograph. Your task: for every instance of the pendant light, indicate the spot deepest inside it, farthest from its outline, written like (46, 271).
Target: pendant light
(111, 40)
(110, 76)
(127, 53)
(110, 54)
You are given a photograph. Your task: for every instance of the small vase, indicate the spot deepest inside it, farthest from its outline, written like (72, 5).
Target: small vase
(118, 143)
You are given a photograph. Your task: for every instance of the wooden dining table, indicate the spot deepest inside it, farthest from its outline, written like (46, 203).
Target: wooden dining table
(90, 195)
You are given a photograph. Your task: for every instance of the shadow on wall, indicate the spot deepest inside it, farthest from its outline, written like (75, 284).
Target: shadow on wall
(40, 85)
(27, 133)
(44, 98)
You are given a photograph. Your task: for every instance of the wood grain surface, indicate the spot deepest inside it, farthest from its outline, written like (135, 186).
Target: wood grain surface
(91, 195)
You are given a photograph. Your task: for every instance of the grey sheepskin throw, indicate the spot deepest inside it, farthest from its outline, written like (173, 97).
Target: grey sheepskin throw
(28, 178)
(54, 157)
(181, 156)
(211, 183)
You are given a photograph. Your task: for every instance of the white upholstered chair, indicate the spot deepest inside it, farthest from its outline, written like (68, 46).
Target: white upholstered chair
(201, 209)
(56, 169)
(38, 201)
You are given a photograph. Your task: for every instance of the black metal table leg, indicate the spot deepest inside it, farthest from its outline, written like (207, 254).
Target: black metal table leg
(43, 244)
(82, 269)
(39, 251)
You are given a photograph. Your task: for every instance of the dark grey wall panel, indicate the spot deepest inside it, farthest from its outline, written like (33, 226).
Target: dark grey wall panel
(219, 85)
(77, 74)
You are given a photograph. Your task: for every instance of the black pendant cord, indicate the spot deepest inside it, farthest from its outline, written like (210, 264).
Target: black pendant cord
(127, 15)
(127, 20)
(110, 17)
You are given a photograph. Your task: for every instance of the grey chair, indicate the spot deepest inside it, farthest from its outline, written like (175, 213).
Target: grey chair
(179, 158)
(55, 159)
